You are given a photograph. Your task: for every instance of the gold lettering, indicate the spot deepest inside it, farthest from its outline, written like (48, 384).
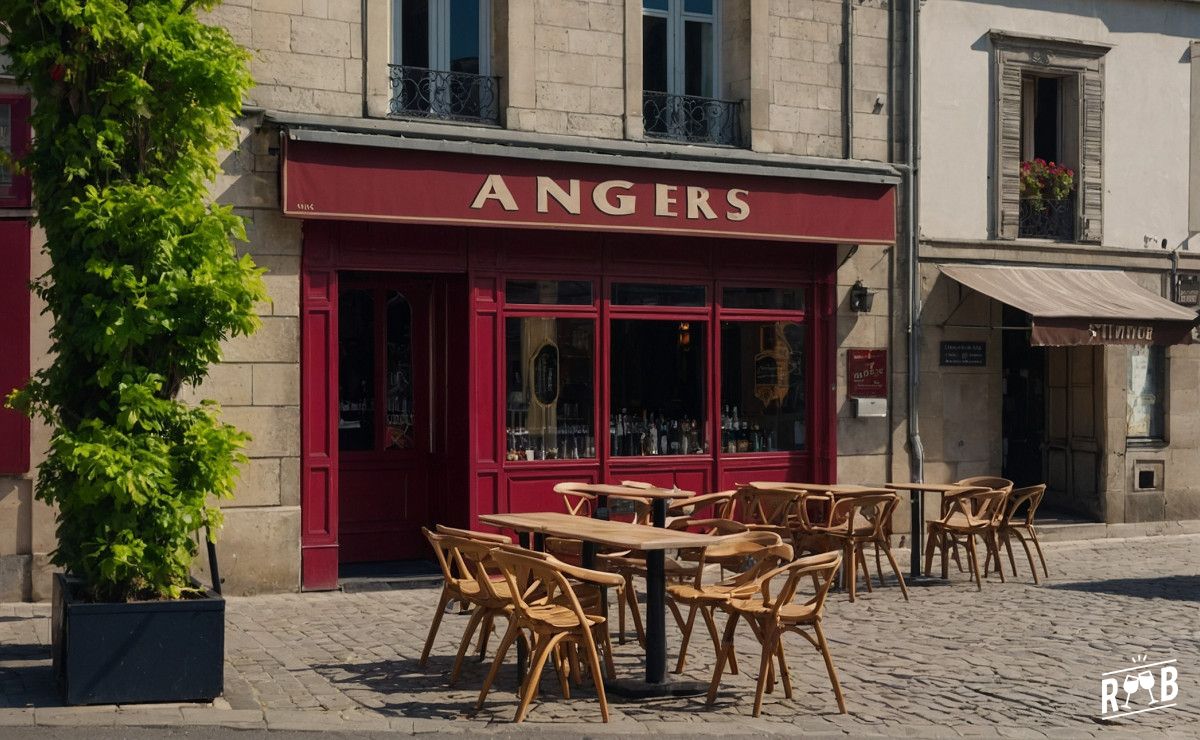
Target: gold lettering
(664, 198)
(737, 199)
(625, 204)
(697, 203)
(494, 188)
(568, 199)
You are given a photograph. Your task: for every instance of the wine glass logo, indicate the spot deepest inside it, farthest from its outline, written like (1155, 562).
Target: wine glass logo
(1162, 675)
(1130, 686)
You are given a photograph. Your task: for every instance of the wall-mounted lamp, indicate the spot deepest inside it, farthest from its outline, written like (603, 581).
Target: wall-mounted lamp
(861, 299)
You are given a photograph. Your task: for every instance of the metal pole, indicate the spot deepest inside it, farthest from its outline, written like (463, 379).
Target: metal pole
(916, 451)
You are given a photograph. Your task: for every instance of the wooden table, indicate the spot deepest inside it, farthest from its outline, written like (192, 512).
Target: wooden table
(918, 517)
(654, 541)
(836, 489)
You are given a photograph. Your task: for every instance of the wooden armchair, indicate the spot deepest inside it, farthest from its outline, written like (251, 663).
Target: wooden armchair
(774, 616)
(554, 617)
(755, 553)
(970, 514)
(1018, 523)
(858, 520)
(458, 584)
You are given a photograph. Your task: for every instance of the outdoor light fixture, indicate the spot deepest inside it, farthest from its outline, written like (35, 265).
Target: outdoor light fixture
(861, 299)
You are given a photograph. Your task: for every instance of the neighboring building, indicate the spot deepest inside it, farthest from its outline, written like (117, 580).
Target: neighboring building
(513, 243)
(1109, 418)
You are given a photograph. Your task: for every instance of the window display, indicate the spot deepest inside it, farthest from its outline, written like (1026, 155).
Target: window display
(763, 405)
(657, 388)
(550, 388)
(356, 384)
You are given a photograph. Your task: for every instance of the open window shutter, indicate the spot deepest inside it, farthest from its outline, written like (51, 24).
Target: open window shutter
(1090, 187)
(1008, 151)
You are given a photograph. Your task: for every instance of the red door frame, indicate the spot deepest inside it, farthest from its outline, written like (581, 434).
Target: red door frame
(488, 257)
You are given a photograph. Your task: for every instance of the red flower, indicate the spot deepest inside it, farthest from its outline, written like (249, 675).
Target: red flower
(57, 71)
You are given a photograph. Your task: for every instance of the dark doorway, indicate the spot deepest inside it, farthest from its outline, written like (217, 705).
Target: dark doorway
(1024, 417)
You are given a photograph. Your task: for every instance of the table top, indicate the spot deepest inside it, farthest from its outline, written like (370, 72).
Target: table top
(600, 531)
(935, 487)
(609, 489)
(835, 488)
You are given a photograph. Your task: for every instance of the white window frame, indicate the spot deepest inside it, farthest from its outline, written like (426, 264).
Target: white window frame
(676, 17)
(439, 35)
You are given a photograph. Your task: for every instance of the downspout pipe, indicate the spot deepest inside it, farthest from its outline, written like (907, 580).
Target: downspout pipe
(912, 155)
(848, 79)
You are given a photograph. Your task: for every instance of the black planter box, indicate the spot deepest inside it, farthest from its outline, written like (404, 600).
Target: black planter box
(146, 651)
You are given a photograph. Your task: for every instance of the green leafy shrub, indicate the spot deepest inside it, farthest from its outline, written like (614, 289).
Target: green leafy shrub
(133, 99)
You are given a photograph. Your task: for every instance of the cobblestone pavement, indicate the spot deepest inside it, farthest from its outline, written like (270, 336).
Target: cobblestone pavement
(1016, 660)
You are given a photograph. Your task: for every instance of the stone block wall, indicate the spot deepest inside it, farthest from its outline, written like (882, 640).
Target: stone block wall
(258, 382)
(306, 55)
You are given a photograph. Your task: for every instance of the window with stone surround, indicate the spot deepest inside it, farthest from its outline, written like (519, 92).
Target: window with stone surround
(1049, 105)
(681, 42)
(441, 60)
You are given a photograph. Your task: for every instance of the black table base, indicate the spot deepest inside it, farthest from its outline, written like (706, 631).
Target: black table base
(635, 689)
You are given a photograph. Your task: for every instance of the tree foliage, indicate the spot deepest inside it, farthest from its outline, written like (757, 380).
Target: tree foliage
(133, 99)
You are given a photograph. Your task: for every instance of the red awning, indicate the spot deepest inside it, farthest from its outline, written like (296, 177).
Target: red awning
(340, 181)
(1072, 307)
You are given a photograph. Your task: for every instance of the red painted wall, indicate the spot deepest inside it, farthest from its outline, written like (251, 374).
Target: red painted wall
(14, 342)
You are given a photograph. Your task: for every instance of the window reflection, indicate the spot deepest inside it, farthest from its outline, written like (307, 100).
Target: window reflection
(400, 432)
(356, 361)
(763, 405)
(657, 388)
(549, 381)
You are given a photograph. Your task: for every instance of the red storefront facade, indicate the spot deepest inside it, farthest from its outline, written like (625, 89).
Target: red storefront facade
(476, 328)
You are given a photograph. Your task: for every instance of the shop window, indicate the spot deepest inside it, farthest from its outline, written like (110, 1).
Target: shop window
(542, 292)
(648, 294)
(763, 404)
(679, 73)
(657, 387)
(1049, 107)
(767, 299)
(401, 434)
(550, 388)
(14, 140)
(441, 59)
(356, 370)
(1145, 407)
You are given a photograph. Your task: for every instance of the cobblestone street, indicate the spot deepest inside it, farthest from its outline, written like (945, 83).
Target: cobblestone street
(1016, 660)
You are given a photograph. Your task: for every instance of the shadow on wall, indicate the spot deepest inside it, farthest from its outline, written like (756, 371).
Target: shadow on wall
(1174, 588)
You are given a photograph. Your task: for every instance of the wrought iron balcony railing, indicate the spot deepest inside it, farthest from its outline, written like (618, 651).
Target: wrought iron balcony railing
(449, 96)
(692, 119)
(1048, 219)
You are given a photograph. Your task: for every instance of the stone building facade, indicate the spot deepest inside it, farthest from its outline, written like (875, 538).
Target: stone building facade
(1109, 91)
(815, 85)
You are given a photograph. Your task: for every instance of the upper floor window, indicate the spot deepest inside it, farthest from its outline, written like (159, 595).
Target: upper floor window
(680, 74)
(1049, 138)
(441, 60)
(14, 139)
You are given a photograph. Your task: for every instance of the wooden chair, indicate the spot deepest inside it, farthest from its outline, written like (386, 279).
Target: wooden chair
(756, 553)
(488, 598)
(553, 618)
(457, 584)
(766, 509)
(774, 616)
(1021, 525)
(970, 514)
(857, 520)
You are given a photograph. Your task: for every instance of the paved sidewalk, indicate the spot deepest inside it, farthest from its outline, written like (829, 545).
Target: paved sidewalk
(1016, 660)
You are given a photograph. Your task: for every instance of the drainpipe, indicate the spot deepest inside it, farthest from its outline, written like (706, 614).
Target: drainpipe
(848, 79)
(916, 451)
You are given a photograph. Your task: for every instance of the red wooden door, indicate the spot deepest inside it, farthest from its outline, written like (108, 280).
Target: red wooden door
(384, 416)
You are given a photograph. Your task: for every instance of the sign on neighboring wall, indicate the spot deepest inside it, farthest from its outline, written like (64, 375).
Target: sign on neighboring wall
(342, 181)
(1189, 289)
(963, 354)
(866, 373)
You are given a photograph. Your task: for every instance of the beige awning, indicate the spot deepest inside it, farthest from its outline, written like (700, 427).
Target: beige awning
(1070, 307)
